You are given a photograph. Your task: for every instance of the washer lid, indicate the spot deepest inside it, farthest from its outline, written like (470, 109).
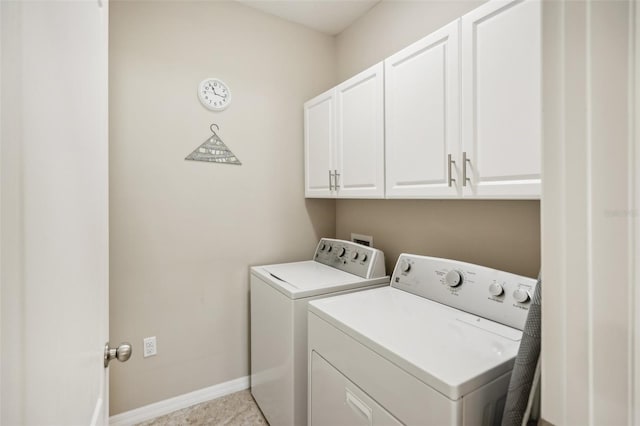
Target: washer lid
(452, 351)
(310, 278)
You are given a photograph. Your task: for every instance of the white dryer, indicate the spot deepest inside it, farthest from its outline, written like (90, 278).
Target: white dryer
(435, 348)
(279, 297)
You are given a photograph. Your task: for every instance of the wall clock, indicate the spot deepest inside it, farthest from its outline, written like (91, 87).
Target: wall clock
(214, 94)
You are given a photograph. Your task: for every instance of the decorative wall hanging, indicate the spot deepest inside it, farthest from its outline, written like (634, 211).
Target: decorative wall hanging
(214, 150)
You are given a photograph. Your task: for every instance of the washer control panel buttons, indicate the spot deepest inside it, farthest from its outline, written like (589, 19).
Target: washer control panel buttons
(488, 293)
(350, 257)
(453, 278)
(496, 289)
(521, 295)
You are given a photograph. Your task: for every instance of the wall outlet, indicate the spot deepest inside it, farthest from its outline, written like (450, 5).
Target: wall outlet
(150, 348)
(365, 240)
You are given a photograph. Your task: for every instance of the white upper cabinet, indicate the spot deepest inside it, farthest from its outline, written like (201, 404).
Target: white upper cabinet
(454, 115)
(344, 139)
(360, 135)
(422, 117)
(319, 141)
(501, 104)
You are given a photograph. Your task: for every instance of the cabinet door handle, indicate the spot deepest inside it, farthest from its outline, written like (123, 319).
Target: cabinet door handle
(465, 160)
(336, 175)
(330, 182)
(450, 161)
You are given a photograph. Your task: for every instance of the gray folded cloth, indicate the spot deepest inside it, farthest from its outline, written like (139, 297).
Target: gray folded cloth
(524, 368)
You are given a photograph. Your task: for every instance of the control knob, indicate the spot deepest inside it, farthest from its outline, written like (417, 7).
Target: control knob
(363, 257)
(354, 255)
(495, 289)
(341, 252)
(405, 266)
(521, 295)
(322, 246)
(453, 278)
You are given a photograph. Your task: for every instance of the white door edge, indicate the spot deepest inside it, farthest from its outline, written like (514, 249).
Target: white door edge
(98, 413)
(634, 120)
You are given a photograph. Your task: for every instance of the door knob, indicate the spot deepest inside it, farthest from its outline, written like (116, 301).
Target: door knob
(122, 353)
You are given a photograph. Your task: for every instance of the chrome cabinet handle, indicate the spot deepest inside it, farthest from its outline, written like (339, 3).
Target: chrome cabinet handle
(336, 175)
(450, 161)
(330, 183)
(465, 160)
(122, 353)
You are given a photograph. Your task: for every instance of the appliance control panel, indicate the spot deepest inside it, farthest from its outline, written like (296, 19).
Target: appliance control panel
(365, 262)
(489, 293)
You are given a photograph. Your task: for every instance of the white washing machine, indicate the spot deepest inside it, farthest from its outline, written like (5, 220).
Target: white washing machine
(435, 348)
(279, 297)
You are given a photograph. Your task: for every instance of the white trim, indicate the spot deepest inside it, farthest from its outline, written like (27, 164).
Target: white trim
(635, 216)
(1, 284)
(170, 405)
(105, 6)
(590, 226)
(632, 218)
(1, 287)
(562, 180)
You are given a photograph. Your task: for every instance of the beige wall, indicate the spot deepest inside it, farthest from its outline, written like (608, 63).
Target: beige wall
(184, 233)
(501, 234)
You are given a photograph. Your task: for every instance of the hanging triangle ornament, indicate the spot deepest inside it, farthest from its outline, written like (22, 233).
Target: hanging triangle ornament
(213, 150)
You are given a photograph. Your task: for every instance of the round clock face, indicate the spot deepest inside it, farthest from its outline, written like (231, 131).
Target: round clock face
(214, 94)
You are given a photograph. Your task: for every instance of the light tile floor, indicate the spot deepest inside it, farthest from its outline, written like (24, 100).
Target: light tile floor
(237, 409)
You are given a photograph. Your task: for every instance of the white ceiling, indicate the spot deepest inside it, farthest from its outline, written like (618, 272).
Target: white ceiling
(327, 16)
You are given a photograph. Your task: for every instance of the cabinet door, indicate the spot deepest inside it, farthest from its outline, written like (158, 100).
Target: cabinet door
(319, 139)
(422, 117)
(360, 135)
(501, 105)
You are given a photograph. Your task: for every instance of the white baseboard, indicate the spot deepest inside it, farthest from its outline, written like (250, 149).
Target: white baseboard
(151, 411)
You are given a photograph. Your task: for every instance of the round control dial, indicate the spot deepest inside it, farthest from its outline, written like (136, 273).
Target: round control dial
(322, 246)
(453, 278)
(521, 295)
(354, 255)
(341, 252)
(496, 289)
(363, 257)
(405, 266)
